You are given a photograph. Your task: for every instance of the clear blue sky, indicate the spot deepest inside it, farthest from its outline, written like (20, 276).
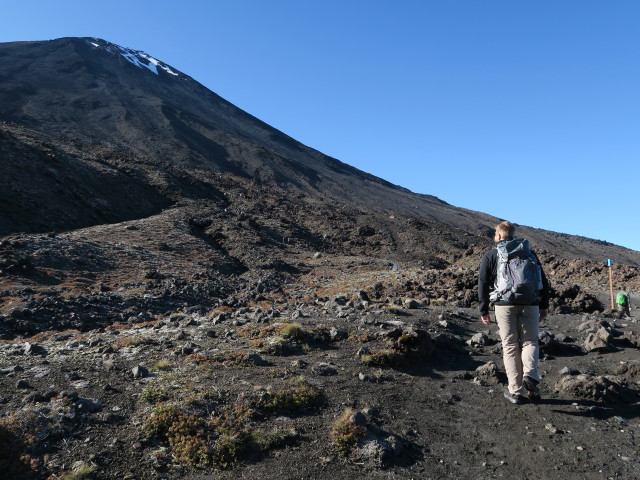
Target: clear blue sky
(526, 110)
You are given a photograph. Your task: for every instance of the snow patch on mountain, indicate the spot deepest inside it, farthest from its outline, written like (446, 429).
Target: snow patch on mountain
(137, 57)
(156, 64)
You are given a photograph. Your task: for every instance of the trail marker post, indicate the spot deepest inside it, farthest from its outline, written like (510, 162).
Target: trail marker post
(610, 265)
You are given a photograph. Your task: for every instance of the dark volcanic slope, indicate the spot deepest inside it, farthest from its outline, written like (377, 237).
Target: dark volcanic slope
(100, 94)
(96, 133)
(46, 187)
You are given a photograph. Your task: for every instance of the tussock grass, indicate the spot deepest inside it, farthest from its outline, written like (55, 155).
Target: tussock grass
(411, 344)
(346, 434)
(163, 365)
(80, 470)
(294, 397)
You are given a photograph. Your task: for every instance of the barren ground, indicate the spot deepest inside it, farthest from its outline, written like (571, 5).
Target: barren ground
(426, 414)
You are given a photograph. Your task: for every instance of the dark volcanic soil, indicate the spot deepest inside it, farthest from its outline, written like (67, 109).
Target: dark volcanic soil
(432, 415)
(137, 356)
(260, 336)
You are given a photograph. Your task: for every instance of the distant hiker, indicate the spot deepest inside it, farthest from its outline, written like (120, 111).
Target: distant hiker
(623, 301)
(511, 280)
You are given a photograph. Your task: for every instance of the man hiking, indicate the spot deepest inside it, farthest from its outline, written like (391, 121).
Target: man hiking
(511, 280)
(623, 301)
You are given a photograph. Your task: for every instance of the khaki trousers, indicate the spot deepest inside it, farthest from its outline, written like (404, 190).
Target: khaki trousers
(519, 326)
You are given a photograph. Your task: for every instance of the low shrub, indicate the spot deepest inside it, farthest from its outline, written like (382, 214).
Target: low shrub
(186, 434)
(228, 358)
(346, 434)
(163, 365)
(220, 441)
(393, 309)
(269, 440)
(293, 331)
(154, 394)
(80, 471)
(363, 338)
(291, 398)
(411, 344)
(233, 434)
(382, 358)
(126, 342)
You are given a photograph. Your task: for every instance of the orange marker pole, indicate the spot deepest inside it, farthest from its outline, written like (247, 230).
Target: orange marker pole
(610, 264)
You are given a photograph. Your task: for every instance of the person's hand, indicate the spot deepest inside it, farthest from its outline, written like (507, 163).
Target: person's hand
(486, 319)
(543, 314)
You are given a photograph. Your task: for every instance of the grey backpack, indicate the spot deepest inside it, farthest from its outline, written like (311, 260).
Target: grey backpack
(518, 276)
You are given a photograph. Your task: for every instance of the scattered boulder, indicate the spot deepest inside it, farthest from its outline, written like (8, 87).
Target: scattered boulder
(358, 418)
(325, 369)
(139, 372)
(557, 344)
(573, 300)
(607, 388)
(337, 335)
(569, 371)
(394, 333)
(253, 359)
(411, 304)
(69, 394)
(34, 397)
(23, 385)
(480, 339)
(600, 341)
(365, 231)
(546, 340)
(551, 428)
(563, 338)
(299, 363)
(413, 344)
(379, 451)
(88, 405)
(188, 348)
(15, 263)
(630, 372)
(631, 339)
(487, 373)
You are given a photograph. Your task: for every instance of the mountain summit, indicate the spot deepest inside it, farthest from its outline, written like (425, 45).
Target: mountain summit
(99, 133)
(97, 93)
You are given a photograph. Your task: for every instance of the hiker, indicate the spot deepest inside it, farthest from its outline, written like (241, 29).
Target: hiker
(511, 280)
(623, 301)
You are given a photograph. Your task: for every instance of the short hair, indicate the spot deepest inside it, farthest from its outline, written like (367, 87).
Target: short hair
(505, 229)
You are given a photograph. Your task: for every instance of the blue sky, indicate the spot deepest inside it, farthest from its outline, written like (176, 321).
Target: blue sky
(526, 110)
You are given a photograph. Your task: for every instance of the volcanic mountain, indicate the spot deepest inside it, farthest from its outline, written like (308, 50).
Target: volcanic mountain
(95, 133)
(185, 290)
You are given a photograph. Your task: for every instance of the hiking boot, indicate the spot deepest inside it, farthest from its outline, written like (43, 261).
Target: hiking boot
(532, 389)
(515, 398)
